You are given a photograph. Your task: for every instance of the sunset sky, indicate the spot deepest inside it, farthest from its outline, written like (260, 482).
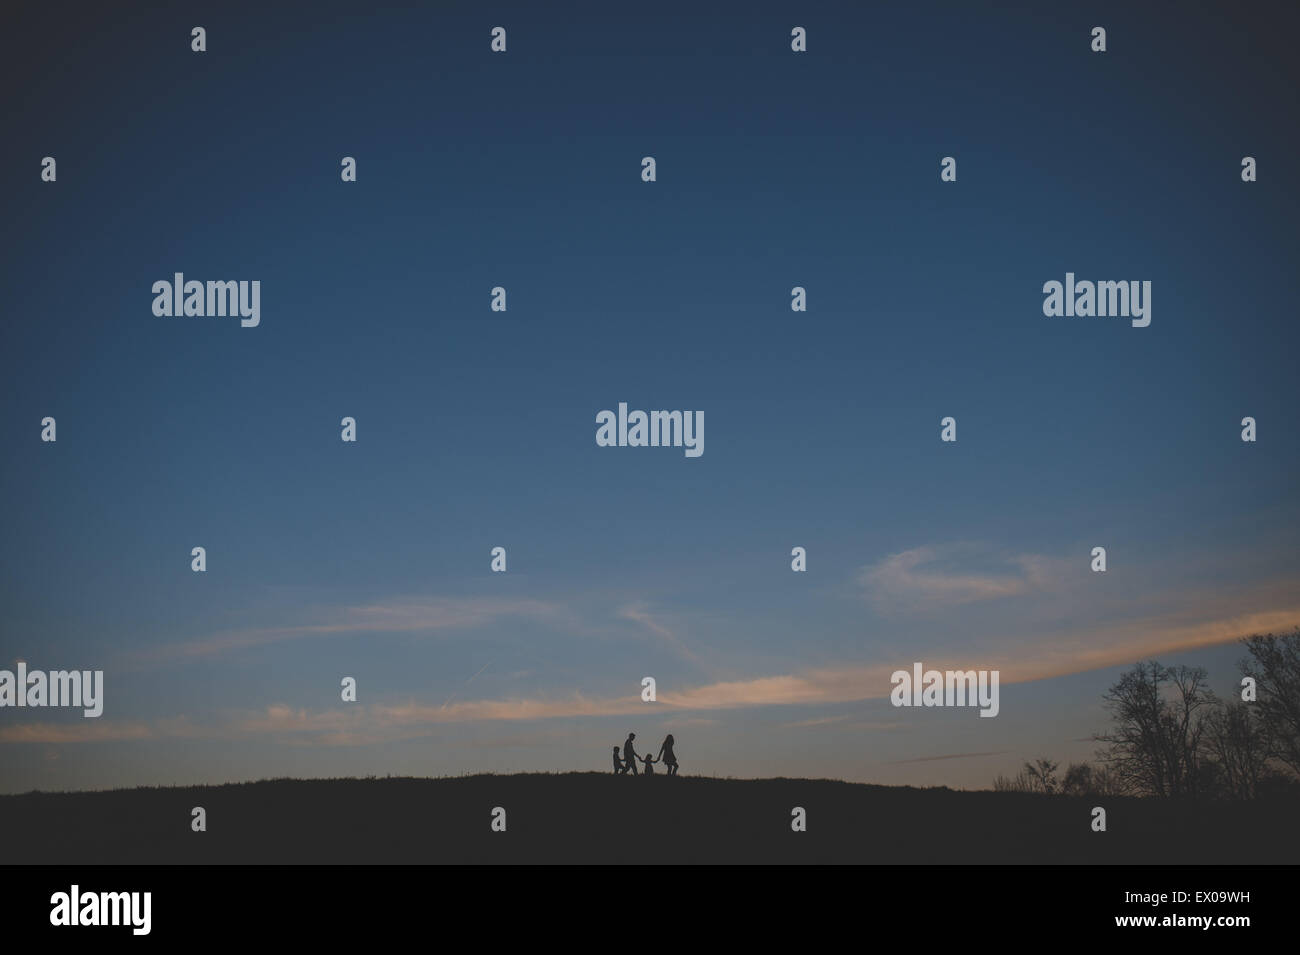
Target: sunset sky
(476, 429)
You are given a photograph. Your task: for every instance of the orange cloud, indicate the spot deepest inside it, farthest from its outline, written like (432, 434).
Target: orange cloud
(357, 724)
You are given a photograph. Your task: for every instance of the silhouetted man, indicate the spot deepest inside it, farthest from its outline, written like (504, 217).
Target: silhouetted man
(629, 754)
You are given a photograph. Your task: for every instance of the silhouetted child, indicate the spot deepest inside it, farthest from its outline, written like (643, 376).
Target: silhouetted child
(618, 763)
(648, 760)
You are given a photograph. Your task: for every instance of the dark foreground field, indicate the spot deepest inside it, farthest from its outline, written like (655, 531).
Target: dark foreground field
(589, 817)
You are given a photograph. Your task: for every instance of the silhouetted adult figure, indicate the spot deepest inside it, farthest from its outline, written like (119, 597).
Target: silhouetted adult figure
(629, 754)
(667, 757)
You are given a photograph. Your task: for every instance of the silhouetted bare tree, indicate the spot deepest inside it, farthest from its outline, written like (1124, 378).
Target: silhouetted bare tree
(1042, 776)
(1018, 783)
(1171, 737)
(1153, 747)
(1036, 777)
(1077, 780)
(1105, 782)
(1237, 745)
(1085, 779)
(1275, 666)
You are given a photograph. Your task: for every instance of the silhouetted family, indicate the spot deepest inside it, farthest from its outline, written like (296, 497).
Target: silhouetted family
(628, 763)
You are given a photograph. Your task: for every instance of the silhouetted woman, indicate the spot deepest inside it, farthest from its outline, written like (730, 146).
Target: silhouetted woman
(666, 755)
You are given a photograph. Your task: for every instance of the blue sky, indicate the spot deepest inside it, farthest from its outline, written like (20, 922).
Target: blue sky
(476, 428)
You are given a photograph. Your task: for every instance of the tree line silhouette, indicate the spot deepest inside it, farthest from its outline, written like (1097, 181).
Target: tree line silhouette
(1171, 737)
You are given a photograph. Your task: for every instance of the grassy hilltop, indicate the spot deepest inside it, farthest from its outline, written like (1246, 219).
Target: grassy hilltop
(593, 817)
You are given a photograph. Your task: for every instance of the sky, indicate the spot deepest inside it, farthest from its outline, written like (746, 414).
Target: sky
(476, 429)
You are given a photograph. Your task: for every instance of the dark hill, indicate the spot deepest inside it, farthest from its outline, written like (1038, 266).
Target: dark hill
(592, 817)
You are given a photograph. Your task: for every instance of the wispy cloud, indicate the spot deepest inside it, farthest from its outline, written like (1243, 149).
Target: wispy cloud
(467, 682)
(818, 722)
(400, 616)
(110, 731)
(934, 759)
(846, 719)
(639, 613)
(949, 575)
(1019, 662)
